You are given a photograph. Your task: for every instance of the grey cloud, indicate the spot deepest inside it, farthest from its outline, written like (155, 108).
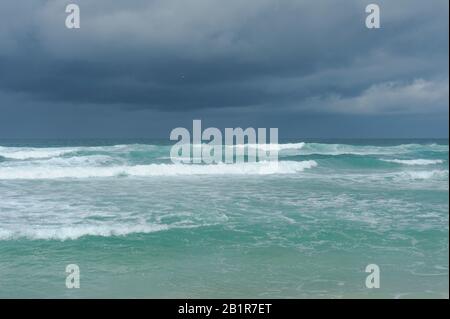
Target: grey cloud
(174, 55)
(417, 97)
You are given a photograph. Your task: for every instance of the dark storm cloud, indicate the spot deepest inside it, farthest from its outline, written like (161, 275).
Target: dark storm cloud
(172, 55)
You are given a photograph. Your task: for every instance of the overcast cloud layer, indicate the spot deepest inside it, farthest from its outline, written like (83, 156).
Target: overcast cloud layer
(170, 61)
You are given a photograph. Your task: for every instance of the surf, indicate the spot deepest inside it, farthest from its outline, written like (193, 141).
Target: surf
(53, 172)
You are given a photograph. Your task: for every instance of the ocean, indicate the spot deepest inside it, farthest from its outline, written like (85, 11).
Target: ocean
(139, 226)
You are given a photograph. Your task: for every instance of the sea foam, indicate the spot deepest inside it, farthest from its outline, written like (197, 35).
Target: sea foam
(23, 153)
(258, 168)
(75, 232)
(413, 161)
(423, 175)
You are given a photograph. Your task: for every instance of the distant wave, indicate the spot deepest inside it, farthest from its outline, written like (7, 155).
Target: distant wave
(275, 147)
(23, 153)
(346, 149)
(30, 153)
(433, 174)
(302, 148)
(259, 168)
(413, 161)
(88, 160)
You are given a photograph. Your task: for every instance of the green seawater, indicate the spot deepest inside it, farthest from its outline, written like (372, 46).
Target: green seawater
(139, 226)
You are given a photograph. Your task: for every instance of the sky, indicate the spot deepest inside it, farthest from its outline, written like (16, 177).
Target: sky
(140, 68)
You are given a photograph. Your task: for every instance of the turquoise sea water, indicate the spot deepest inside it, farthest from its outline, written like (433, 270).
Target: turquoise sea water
(139, 226)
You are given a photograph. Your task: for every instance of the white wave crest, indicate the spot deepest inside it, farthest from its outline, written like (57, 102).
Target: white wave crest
(259, 168)
(301, 148)
(30, 153)
(23, 153)
(423, 175)
(363, 150)
(89, 160)
(272, 146)
(414, 161)
(75, 232)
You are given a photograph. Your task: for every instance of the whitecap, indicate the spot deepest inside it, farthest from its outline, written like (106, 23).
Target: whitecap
(414, 161)
(75, 232)
(257, 168)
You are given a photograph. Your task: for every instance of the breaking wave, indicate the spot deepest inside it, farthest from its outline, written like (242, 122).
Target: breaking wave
(414, 161)
(423, 175)
(259, 168)
(75, 232)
